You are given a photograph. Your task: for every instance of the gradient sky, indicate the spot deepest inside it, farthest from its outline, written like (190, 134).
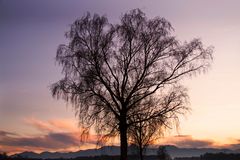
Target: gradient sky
(31, 30)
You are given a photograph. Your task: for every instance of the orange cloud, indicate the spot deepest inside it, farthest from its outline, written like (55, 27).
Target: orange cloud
(56, 135)
(40, 125)
(49, 142)
(53, 125)
(64, 124)
(64, 135)
(187, 141)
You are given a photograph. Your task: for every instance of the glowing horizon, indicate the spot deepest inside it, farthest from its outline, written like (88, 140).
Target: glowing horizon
(62, 135)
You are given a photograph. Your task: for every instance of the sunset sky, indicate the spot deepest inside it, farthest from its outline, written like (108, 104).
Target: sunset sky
(31, 30)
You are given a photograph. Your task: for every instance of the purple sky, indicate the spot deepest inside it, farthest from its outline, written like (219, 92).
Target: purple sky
(31, 30)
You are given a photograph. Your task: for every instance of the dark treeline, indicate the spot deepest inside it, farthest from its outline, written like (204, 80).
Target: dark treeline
(207, 156)
(188, 158)
(213, 156)
(131, 157)
(220, 156)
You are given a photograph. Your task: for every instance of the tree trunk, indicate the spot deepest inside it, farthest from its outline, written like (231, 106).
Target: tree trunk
(123, 140)
(140, 142)
(141, 152)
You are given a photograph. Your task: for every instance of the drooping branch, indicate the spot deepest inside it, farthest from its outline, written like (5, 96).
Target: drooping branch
(114, 74)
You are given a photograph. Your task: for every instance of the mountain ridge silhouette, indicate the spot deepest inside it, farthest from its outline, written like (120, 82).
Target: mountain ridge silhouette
(174, 151)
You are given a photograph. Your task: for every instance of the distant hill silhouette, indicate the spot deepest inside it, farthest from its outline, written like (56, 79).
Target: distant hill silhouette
(115, 150)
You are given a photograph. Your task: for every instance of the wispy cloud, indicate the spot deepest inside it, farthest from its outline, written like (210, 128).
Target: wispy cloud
(40, 125)
(61, 126)
(235, 145)
(188, 141)
(4, 133)
(64, 135)
(49, 141)
(53, 125)
(53, 141)
(55, 135)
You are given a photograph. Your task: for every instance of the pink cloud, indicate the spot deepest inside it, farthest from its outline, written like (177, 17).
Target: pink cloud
(64, 135)
(187, 141)
(56, 135)
(48, 142)
(40, 125)
(53, 125)
(64, 124)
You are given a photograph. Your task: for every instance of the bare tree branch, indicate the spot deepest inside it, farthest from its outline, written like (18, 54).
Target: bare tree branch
(116, 73)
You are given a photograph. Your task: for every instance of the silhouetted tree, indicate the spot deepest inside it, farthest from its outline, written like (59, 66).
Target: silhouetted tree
(133, 149)
(3, 156)
(144, 133)
(111, 70)
(163, 154)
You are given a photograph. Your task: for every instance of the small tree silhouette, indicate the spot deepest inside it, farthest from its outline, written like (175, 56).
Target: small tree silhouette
(3, 156)
(163, 154)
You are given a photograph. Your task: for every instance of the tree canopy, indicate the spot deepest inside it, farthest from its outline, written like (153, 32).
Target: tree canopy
(114, 73)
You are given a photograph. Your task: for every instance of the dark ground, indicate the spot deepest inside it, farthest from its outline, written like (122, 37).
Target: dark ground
(207, 156)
